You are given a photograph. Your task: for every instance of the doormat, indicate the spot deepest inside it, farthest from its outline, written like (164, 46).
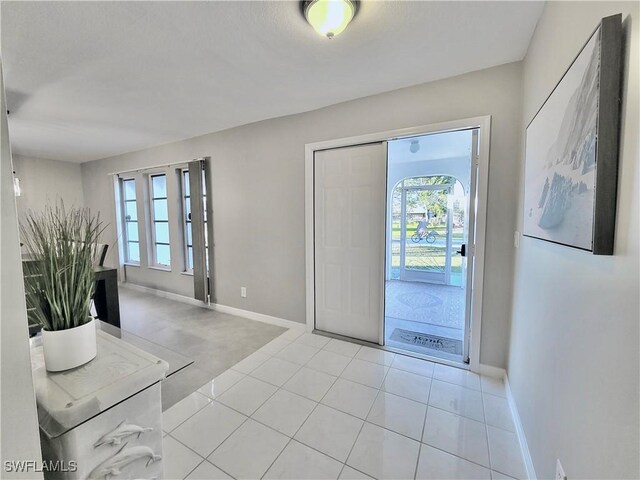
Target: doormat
(434, 342)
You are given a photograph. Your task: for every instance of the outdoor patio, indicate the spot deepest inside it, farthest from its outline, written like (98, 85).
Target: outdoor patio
(425, 318)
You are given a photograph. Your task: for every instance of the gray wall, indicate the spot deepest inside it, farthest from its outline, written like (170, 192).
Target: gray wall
(45, 182)
(20, 438)
(573, 363)
(258, 190)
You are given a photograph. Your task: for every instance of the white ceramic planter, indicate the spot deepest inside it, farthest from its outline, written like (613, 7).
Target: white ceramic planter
(65, 349)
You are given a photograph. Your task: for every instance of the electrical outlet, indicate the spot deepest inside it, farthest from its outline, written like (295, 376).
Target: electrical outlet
(560, 471)
(516, 239)
(243, 292)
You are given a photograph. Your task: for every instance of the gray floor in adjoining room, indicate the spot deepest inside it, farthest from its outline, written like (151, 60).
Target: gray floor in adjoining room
(214, 341)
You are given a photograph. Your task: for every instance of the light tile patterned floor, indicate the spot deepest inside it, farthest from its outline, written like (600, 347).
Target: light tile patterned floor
(408, 305)
(307, 407)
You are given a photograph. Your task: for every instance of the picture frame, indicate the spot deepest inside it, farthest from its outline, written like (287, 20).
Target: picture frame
(572, 149)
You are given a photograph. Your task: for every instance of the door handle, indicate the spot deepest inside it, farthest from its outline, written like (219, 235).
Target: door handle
(463, 250)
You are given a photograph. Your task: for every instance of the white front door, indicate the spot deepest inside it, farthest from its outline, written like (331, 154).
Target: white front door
(349, 225)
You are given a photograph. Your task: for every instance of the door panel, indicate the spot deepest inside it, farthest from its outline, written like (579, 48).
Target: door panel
(332, 287)
(360, 293)
(349, 193)
(334, 201)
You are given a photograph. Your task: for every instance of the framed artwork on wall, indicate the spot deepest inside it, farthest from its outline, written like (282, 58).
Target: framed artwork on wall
(571, 153)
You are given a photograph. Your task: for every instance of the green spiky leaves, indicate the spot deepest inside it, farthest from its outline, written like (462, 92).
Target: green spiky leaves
(59, 278)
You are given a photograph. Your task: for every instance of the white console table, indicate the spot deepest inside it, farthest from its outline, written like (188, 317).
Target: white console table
(105, 416)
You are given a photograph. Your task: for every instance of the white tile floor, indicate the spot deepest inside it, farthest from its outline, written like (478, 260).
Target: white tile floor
(307, 407)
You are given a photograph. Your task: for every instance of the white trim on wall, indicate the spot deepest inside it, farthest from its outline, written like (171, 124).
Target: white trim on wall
(501, 374)
(238, 312)
(522, 439)
(481, 227)
(484, 124)
(259, 317)
(491, 371)
(117, 214)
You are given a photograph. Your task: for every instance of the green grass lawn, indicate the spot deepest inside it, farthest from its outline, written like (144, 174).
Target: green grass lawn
(412, 226)
(424, 258)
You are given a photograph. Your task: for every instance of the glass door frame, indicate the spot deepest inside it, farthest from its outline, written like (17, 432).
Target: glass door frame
(469, 263)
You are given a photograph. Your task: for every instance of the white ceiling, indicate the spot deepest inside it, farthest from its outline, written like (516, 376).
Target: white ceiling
(435, 146)
(87, 80)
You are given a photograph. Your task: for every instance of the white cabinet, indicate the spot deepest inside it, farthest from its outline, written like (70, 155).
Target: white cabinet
(102, 420)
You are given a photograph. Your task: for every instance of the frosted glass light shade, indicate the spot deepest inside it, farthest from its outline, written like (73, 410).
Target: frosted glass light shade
(329, 17)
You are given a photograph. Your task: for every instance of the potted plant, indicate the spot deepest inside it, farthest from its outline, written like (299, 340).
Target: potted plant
(59, 282)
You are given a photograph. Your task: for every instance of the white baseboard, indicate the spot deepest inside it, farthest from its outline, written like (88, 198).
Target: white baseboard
(524, 447)
(259, 317)
(493, 372)
(238, 312)
(162, 294)
(501, 373)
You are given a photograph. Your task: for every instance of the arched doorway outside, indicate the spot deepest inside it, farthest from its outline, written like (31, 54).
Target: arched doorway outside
(428, 229)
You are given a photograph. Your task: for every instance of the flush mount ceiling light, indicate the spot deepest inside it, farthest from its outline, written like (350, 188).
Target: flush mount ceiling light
(329, 17)
(415, 146)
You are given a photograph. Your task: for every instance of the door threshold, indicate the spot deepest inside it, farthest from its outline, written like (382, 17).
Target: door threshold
(443, 361)
(407, 353)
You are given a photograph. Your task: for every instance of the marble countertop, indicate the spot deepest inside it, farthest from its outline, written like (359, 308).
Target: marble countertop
(67, 399)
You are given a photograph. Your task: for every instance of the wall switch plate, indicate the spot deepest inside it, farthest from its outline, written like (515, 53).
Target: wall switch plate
(560, 471)
(516, 239)
(243, 292)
